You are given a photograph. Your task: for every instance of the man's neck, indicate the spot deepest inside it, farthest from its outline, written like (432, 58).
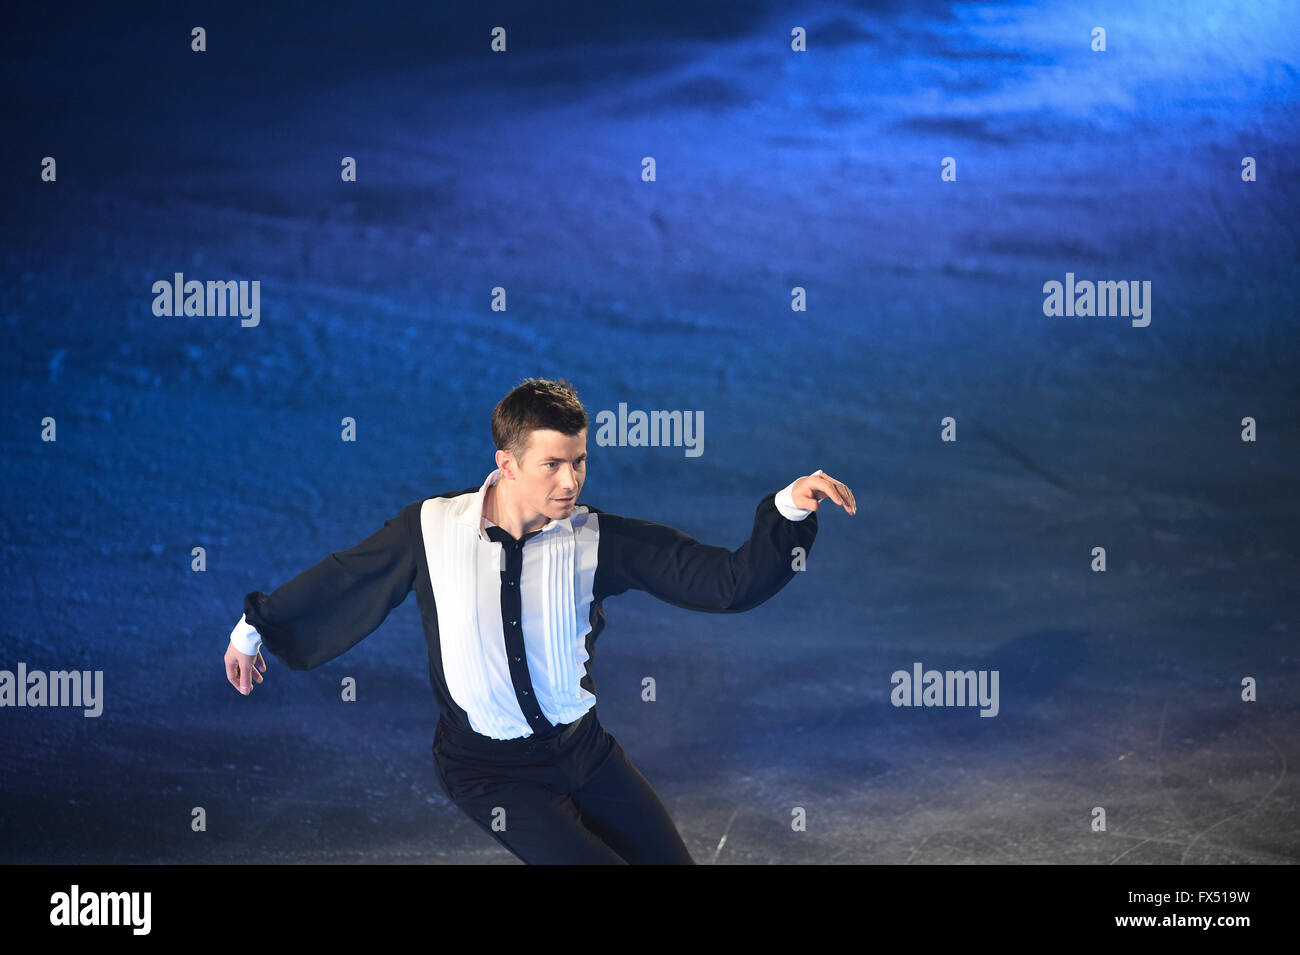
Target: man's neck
(505, 514)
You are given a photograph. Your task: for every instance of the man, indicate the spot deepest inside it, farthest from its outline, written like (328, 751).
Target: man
(510, 578)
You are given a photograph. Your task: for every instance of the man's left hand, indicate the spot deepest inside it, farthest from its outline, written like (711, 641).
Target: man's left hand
(809, 491)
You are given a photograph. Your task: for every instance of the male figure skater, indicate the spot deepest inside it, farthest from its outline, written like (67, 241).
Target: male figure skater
(510, 577)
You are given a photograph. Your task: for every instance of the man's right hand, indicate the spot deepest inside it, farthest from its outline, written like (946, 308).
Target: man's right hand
(241, 668)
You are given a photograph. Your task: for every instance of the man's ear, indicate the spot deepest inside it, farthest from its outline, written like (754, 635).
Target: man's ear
(506, 464)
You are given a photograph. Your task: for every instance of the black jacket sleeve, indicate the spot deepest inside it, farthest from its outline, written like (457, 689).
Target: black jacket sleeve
(329, 608)
(679, 570)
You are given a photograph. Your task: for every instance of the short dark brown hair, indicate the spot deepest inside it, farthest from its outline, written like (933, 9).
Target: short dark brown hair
(536, 404)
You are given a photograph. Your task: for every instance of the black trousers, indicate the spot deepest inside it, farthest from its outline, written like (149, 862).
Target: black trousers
(571, 797)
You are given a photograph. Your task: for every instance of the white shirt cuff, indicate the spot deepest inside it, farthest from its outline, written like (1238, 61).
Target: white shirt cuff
(785, 504)
(246, 638)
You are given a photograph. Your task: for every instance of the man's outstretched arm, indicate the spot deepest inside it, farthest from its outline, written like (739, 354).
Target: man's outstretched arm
(678, 569)
(328, 608)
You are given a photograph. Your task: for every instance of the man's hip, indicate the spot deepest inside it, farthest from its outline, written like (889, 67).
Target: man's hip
(561, 761)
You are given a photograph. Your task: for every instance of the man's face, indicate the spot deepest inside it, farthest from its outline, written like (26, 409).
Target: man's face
(551, 472)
